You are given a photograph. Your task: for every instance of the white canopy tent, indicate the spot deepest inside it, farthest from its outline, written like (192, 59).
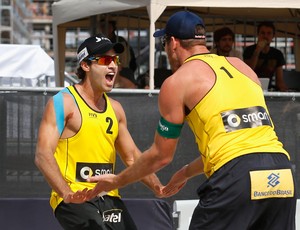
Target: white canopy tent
(26, 61)
(28, 66)
(77, 13)
(23, 65)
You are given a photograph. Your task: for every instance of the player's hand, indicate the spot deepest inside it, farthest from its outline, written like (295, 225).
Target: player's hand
(171, 189)
(76, 197)
(176, 183)
(105, 183)
(158, 190)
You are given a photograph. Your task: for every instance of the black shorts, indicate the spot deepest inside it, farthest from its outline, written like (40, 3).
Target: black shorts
(231, 199)
(103, 213)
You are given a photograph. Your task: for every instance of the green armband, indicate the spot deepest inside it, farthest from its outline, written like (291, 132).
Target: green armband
(168, 129)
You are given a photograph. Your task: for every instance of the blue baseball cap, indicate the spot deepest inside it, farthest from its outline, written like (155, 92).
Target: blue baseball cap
(183, 25)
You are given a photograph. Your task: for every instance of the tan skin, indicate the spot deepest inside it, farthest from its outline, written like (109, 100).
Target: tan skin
(264, 39)
(191, 81)
(99, 80)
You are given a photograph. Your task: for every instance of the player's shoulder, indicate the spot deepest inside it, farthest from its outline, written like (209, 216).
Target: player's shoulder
(116, 105)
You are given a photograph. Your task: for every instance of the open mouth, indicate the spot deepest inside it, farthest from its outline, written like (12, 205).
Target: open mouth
(110, 76)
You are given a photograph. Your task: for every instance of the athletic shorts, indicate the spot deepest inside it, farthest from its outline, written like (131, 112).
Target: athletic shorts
(252, 192)
(101, 213)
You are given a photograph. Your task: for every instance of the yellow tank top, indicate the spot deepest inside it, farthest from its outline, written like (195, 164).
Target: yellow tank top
(232, 119)
(90, 151)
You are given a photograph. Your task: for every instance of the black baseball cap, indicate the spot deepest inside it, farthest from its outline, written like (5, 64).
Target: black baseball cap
(183, 25)
(98, 44)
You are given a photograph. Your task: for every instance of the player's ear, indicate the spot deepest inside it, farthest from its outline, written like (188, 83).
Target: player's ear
(84, 65)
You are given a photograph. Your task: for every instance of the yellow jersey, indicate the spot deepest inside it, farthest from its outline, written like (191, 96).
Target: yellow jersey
(91, 151)
(232, 119)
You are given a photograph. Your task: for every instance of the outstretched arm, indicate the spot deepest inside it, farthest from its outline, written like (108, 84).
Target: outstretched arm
(150, 161)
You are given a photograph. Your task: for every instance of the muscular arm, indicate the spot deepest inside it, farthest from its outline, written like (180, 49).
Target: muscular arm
(44, 155)
(149, 162)
(48, 137)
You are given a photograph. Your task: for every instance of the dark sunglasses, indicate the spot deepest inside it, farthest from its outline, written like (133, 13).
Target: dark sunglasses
(105, 60)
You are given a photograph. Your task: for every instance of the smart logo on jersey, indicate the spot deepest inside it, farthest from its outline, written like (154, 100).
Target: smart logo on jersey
(113, 215)
(245, 118)
(86, 170)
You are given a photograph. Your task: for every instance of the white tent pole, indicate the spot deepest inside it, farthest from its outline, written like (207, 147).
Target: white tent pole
(59, 36)
(151, 55)
(154, 11)
(56, 54)
(61, 46)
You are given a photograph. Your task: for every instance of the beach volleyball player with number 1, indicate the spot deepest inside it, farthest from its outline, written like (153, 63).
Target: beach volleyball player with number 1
(250, 183)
